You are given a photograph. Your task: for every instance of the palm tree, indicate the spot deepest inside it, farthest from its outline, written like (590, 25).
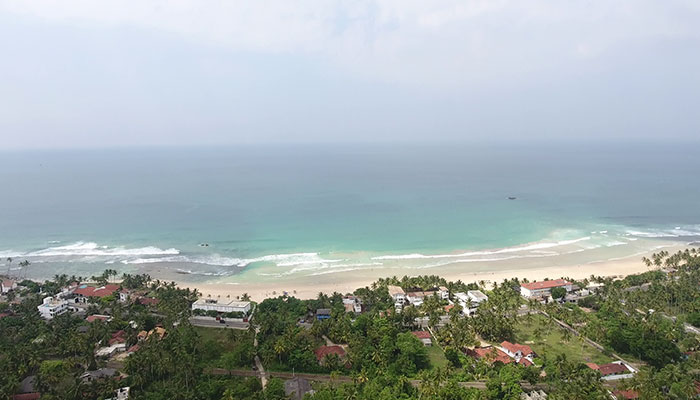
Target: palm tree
(25, 266)
(9, 264)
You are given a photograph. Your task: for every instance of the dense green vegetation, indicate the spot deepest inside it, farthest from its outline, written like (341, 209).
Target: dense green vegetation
(646, 319)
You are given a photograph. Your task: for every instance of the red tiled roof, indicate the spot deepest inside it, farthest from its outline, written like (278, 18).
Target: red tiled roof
(92, 318)
(612, 369)
(492, 353)
(133, 348)
(524, 361)
(626, 394)
(148, 301)
(514, 348)
(323, 351)
(26, 396)
(91, 291)
(421, 334)
(449, 307)
(118, 337)
(545, 284)
(592, 366)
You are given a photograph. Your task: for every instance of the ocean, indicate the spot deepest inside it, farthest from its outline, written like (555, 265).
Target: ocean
(263, 213)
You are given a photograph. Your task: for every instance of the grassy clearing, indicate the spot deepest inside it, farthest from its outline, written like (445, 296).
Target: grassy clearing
(436, 356)
(549, 339)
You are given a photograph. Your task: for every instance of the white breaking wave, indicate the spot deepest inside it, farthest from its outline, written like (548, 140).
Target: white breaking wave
(661, 233)
(93, 249)
(281, 260)
(534, 246)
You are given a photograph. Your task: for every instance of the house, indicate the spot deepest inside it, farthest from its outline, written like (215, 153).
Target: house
(222, 306)
(423, 336)
(112, 349)
(470, 301)
(118, 337)
(122, 393)
(8, 285)
(522, 354)
(444, 293)
(323, 313)
(613, 371)
(53, 306)
(148, 301)
(543, 288)
(297, 387)
(324, 351)
(83, 292)
(101, 373)
(95, 317)
(352, 304)
(490, 354)
(398, 295)
(158, 331)
(534, 395)
(417, 297)
(477, 297)
(28, 384)
(133, 349)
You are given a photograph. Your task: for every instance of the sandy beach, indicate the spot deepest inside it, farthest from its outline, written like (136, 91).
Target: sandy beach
(348, 282)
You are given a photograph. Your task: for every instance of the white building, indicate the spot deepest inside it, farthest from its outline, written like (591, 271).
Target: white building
(354, 303)
(470, 301)
(52, 307)
(8, 286)
(543, 288)
(477, 296)
(224, 306)
(398, 295)
(444, 293)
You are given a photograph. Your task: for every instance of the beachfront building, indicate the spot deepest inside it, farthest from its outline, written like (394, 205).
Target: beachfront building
(398, 295)
(225, 306)
(444, 293)
(84, 292)
(543, 288)
(8, 285)
(53, 306)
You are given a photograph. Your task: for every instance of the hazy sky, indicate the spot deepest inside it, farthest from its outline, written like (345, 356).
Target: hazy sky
(113, 73)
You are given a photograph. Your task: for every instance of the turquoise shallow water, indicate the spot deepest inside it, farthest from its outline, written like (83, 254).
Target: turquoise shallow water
(299, 209)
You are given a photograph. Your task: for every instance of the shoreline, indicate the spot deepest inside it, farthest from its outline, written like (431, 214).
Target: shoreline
(347, 283)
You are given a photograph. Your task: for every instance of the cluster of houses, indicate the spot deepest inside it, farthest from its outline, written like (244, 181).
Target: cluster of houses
(75, 296)
(469, 301)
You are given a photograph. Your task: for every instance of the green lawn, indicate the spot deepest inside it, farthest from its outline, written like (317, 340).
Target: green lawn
(220, 336)
(436, 356)
(552, 341)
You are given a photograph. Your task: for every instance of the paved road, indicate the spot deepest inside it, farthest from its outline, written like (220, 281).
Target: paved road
(207, 323)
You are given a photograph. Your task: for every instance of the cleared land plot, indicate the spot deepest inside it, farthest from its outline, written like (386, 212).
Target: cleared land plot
(549, 340)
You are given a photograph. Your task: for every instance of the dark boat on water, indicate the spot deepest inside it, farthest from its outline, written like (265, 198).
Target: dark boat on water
(511, 197)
